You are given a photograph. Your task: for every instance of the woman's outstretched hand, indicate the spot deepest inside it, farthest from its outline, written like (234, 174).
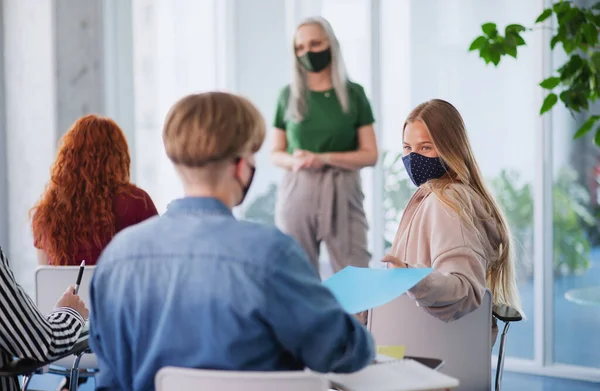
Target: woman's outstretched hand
(393, 262)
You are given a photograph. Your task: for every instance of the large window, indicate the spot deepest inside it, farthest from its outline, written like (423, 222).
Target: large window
(351, 22)
(424, 55)
(175, 54)
(576, 243)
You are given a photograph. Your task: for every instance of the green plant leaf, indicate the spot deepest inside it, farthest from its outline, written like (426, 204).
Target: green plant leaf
(478, 43)
(549, 102)
(511, 51)
(556, 39)
(565, 98)
(572, 68)
(569, 46)
(514, 28)
(495, 55)
(510, 40)
(595, 60)
(550, 83)
(597, 136)
(583, 101)
(514, 39)
(484, 53)
(570, 18)
(544, 15)
(520, 40)
(489, 29)
(590, 32)
(587, 126)
(596, 6)
(561, 6)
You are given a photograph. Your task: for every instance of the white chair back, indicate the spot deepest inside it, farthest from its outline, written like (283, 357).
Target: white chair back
(184, 379)
(464, 345)
(50, 283)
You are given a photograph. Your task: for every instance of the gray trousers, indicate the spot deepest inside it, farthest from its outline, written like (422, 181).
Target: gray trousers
(315, 206)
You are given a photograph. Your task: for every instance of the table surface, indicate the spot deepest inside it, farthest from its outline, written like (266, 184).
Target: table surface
(584, 296)
(431, 363)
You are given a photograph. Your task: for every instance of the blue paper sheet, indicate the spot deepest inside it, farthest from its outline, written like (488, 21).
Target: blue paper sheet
(359, 289)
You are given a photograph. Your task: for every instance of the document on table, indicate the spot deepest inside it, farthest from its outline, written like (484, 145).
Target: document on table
(359, 289)
(400, 375)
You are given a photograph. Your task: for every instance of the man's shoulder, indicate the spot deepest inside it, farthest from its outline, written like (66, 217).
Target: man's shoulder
(262, 245)
(131, 237)
(269, 236)
(252, 240)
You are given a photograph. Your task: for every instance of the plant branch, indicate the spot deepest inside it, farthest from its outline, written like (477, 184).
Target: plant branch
(542, 28)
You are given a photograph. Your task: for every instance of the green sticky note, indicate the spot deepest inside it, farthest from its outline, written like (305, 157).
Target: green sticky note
(396, 352)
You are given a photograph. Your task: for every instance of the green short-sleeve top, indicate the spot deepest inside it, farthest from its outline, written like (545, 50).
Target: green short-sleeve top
(325, 127)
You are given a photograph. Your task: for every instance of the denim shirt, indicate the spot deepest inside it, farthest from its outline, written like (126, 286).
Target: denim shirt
(197, 288)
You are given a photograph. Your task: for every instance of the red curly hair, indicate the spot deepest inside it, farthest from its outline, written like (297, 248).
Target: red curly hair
(92, 165)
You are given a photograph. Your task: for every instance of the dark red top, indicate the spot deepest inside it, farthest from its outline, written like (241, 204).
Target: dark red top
(129, 208)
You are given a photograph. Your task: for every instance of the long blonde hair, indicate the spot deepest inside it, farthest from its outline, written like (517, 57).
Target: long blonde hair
(296, 109)
(449, 135)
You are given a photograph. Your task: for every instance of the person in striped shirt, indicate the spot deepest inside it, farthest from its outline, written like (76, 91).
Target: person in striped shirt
(27, 333)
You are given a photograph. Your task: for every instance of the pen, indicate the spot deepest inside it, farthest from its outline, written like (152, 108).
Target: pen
(78, 282)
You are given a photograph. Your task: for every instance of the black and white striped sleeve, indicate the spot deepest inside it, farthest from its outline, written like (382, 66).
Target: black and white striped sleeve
(26, 333)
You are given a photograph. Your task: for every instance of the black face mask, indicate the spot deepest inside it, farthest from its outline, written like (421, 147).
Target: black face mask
(316, 61)
(422, 168)
(246, 187)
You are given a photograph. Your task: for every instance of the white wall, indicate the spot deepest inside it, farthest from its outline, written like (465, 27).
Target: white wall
(176, 53)
(29, 77)
(263, 64)
(53, 74)
(118, 70)
(3, 149)
(185, 64)
(182, 47)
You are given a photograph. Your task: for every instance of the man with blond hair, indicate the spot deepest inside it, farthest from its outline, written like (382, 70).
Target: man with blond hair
(197, 288)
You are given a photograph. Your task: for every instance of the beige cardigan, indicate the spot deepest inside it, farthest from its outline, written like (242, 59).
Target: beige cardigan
(432, 235)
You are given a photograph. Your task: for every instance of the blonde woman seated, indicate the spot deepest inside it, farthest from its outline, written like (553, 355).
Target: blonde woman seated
(452, 222)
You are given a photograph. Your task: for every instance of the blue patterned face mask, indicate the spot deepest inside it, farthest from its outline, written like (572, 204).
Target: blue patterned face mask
(422, 168)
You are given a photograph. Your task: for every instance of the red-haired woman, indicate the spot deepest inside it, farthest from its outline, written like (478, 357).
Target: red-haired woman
(89, 197)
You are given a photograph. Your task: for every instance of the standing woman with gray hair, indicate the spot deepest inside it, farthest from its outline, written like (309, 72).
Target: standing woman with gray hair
(323, 137)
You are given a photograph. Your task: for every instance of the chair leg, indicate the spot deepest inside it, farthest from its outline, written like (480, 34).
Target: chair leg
(75, 373)
(26, 380)
(500, 365)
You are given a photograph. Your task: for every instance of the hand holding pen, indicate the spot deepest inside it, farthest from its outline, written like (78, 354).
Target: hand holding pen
(79, 276)
(71, 299)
